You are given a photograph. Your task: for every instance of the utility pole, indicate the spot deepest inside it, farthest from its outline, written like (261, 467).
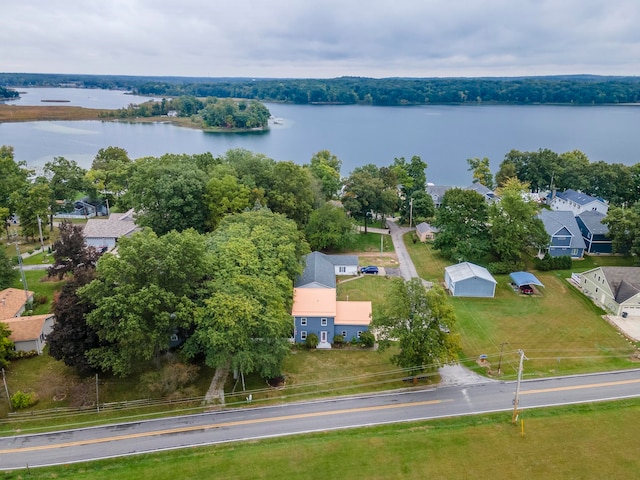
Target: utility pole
(516, 400)
(6, 389)
(24, 279)
(410, 212)
(40, 230)
(97, 398)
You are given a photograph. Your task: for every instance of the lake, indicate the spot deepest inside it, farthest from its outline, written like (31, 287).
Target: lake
(444, 136)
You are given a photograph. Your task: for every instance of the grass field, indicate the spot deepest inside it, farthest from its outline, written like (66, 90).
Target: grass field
(587, 441)
(560, 330)
(15, 113)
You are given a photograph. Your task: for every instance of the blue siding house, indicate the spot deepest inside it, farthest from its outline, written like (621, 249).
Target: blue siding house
(469, 280)
(594, 233)
(564, 234)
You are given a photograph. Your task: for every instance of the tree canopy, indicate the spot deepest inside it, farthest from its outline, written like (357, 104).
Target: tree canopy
(421, 321)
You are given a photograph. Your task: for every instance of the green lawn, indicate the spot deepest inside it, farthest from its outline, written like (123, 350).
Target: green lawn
(560, 330)
(586, 441)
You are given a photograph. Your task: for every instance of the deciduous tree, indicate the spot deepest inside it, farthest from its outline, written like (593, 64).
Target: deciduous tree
(421, 322)
(330, 228)
(326, 168)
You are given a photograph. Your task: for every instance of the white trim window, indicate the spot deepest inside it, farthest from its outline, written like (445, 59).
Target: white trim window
(342, 269)
(303, 335)
(323, 322)
(344, 334)
(303, 322)
(359, 333)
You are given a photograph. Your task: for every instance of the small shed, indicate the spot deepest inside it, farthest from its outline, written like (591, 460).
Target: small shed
(425, 232)
(469, 280)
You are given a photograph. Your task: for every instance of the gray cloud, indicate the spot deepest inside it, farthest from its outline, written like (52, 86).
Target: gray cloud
(324, 38)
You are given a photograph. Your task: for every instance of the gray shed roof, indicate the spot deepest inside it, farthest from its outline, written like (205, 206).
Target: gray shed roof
(424, 227)
(556, 220)
(593, 221)
(465, 270)
(624, 281)
(116, 226)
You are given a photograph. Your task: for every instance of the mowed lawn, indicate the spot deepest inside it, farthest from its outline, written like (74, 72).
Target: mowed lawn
(559, 330)
(586, 441)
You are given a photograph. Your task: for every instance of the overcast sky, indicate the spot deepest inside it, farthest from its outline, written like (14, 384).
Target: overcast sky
(321, 38)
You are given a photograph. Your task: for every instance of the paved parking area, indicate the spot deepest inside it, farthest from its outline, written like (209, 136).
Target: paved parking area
(630, 326)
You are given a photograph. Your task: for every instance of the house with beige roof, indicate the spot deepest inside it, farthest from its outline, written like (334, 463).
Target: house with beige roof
(13, 302)
(316, 310)
(103, 234)
(30, 333)
(616, 289)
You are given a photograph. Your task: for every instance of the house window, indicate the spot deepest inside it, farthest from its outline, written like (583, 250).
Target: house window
(344, 334)
(359, 333)
(323, 322)
(303, 335)
(342, 269)
(303, 322)
(574, 251)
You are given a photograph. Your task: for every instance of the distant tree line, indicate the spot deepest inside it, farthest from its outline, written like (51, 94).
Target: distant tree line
(8, 94)
(570, 89)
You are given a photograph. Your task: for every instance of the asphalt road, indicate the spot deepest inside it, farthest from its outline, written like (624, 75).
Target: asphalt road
(255, 423)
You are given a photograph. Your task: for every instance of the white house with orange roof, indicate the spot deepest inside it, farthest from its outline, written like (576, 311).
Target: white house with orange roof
(316, 310)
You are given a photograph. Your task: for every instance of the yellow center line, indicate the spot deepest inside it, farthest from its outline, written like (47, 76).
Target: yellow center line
(218, 425)
(580, 387)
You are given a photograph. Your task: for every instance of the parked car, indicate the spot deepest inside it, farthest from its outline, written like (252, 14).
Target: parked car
(370, 269)
(526, 289)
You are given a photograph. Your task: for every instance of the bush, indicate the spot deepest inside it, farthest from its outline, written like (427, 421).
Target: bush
(553, 263)
(502, 268)
(40, 299)
(338, 340)
(18, 354)
(367, 339)
(23, 400)
(170, 381)
(311, 341)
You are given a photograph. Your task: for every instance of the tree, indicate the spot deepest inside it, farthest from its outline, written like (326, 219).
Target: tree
(142, 296)
(481, 171)
(32, 203)
(462, 223)
(13, 178)
(290, 192)
(8, 274)
(624, 228)
(71, 336)
(514, 225)
(365, 194)
(109, 173)
(422, 208)
(245, 323)
(225, 195)
(421, 322)
(326, 168)
(168, 194)
(330, 228)
(66, 179)
(70, 251)
(412, 179)
(6, 345)
(507, 170)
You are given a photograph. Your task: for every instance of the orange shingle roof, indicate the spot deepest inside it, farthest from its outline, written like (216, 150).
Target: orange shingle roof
(11, 302)
(353, 313)
(26, 328)
(314, 302)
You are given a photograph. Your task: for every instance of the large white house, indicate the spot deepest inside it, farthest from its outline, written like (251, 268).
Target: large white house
(616, 289)
(577, 202)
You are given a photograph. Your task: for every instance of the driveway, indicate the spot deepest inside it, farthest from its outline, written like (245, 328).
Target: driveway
(407, 268)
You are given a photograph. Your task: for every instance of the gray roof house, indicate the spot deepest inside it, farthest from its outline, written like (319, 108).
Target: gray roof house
(617, 289)
(488, 194)
(320, 270)
(469, 280)
(437, 192)
(577, 202)
(104, 233)
(425, 231)
(564, 234)
(594, 233)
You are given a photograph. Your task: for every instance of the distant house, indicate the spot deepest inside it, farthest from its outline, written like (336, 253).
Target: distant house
(30, 333)
(469, 280)
(425, 232)
(488, 194)
(577, 202)
(104, 233)
(13, 302)
(320, 270)
(594, 233)
(616, 289)
(564, 234)
(437, 192)
(316, 310)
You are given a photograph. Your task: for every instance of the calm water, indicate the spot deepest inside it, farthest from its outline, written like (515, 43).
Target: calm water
(444, 136)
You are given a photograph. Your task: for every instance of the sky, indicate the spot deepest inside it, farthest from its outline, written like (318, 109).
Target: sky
(321, 38)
